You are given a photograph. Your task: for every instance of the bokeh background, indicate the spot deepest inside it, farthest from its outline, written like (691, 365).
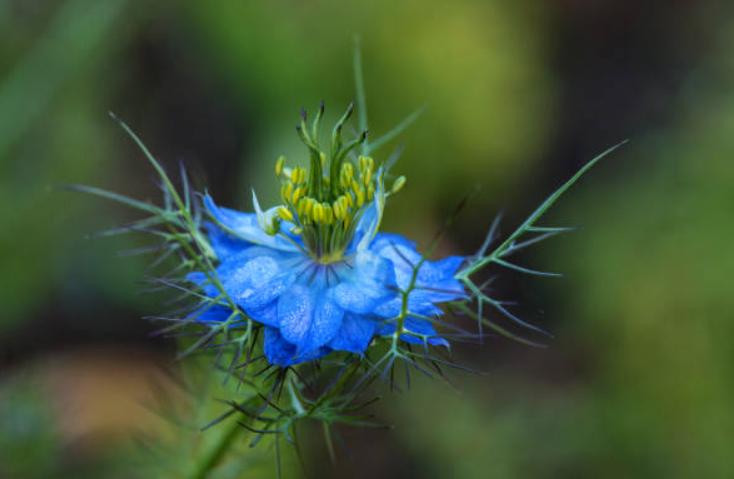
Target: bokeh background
(639, 378)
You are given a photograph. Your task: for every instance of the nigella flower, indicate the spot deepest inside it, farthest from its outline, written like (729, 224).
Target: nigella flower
(315, 271)
(312, 276)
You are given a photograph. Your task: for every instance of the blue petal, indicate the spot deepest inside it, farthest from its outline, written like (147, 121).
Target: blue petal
(449, 265)
(255, 280)
(383, 240)
(402, 254)
(415, 325)
(252, 252)
(201, 280)
(365, 225)
(441, 291)
(355, 334)
(210, 314)
(277, 350)
(224, 244)
(418, 303)
(435, 282)
(280, 352)
(369, 223)
(267, 315)
(246, 227)
(307, 317)
(365, 283)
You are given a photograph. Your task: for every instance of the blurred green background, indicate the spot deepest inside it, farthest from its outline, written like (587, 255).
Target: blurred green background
(639, 379)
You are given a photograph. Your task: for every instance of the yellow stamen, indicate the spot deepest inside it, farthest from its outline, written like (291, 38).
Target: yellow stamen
(346, 175)
(279, 163)
(355, 186)
(285, 213)
(360, 197)
(366, 163)
(328, 213)
(299, 175)
(286, 191)
(398, 185)
(297, 194)
(301, 209)
(367, 177)
(318, 213)
(338, 211)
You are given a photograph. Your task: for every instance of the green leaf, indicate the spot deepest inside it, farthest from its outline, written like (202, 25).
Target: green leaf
(529, 224)
(396, 130)
(140, 205)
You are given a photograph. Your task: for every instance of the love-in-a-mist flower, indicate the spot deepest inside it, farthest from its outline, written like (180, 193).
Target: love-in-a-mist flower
(315, 271)
(314, 276)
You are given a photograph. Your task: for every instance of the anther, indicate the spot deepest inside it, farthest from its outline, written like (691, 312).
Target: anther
(297, 194)
(398, 184)
(286, 191)
(339, 212)
(367, 176)
(279, 163)
(328, 213)
(360, 196)
(317, 213)
(285, 213)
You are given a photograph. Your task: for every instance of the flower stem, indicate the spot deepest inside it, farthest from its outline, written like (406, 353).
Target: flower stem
(213, 456)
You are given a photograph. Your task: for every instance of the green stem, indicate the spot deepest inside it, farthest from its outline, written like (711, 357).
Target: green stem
(361, 96)
(213, 456)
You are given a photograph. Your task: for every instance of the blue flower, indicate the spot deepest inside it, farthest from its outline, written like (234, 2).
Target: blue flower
(309, 308)
(314, 271)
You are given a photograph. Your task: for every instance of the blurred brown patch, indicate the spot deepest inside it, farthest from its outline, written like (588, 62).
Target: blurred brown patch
(102, 396)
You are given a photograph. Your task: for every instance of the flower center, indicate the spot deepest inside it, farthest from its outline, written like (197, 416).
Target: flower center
(326, 201)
